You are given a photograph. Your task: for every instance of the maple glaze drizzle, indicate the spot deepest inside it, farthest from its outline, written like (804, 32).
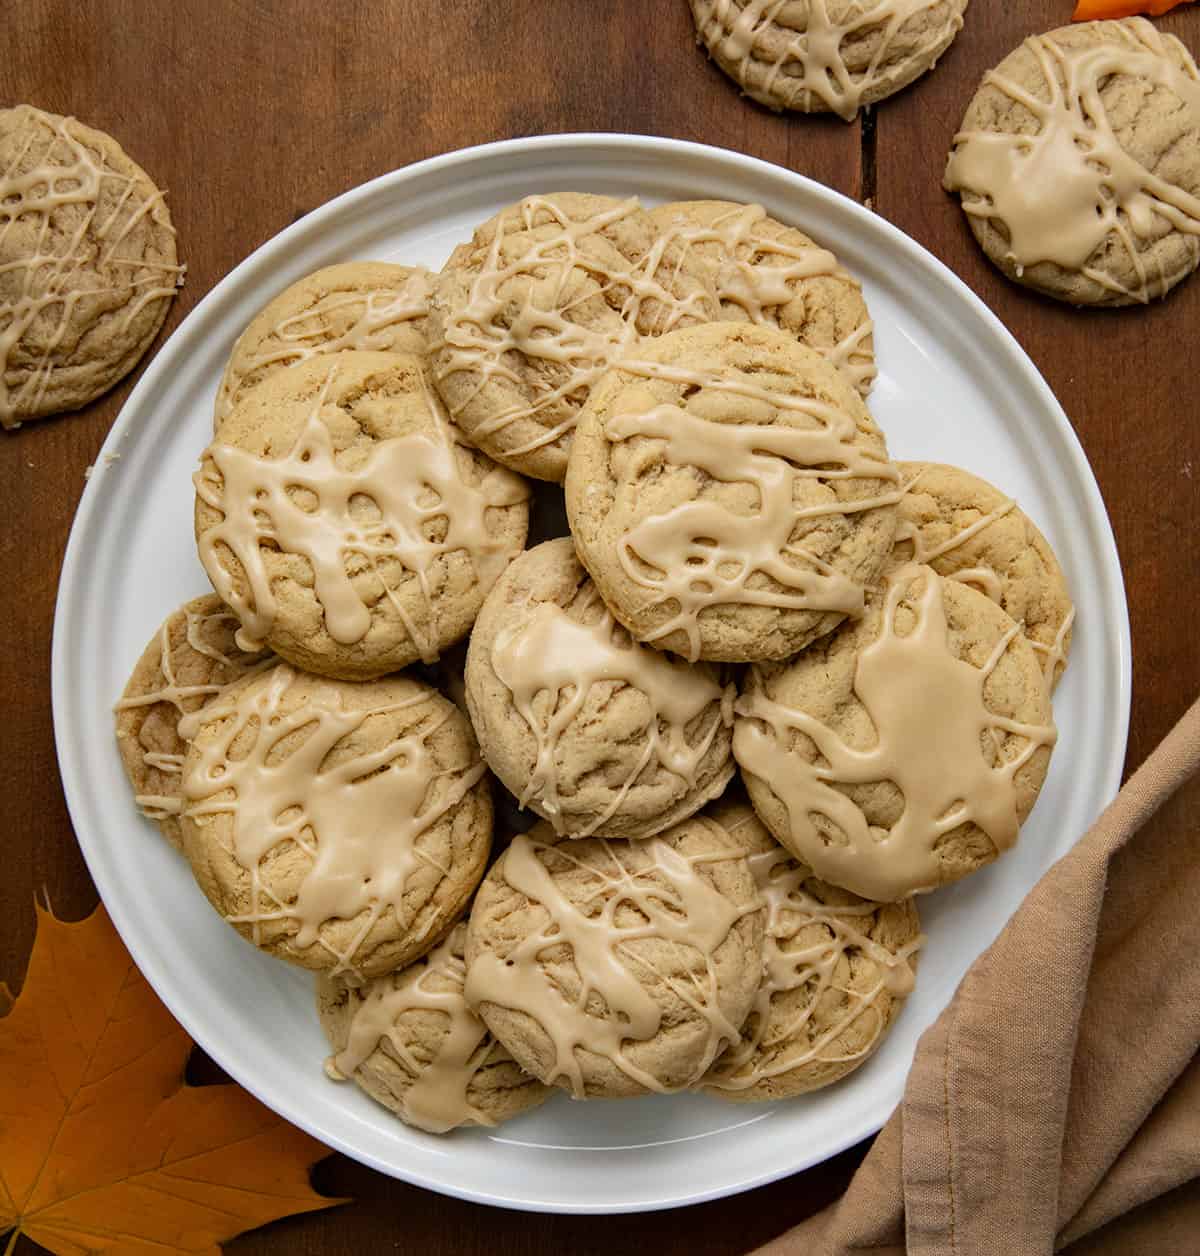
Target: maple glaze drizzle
(478, 338)
(759, 272)
(931, 724)
(551, 653)
(372, 315)
(50, 278)
(736, 30)
(1054, 654)
(359, 821)
(1061, 192)
(438, 1097)
(671, 901)
(181, 697)
(773, 1047)
(984, 578)
(855, 362)
(699, 554)
(305, 503)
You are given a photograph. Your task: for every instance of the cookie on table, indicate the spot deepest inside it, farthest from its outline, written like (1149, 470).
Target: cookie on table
(342, 827)
(836, 971)
(88, 265)
(529, 313)
(730, 494)
(594, 732)
(1078, 163)
(765, 272)
(343, 521)
(409, 1041)
(964, 528)
(826, 56)
(192, 658)
(353, 305)
(615, 968)
(905, 750)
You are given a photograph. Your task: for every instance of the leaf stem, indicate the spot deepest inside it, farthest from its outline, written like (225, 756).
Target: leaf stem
(12, 1241)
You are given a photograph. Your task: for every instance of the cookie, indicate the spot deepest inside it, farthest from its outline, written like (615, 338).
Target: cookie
(905, 750)
(339, 826)
(191, 659)
(826, 56)
(836, 970)
(409, 1041)
(88, 266)
(354, 305)
(597, 734)
(765, 272)
(967, 530)
(729, 493)
(530, 313)
(340, 518)
(1078, 163)
(615, 968)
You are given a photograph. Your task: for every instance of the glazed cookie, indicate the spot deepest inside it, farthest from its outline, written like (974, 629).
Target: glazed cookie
(615, 968)
(826, 56)
(594, 732)
(410, 1042)
(967, 530)
(529, 314)
(765, 272)
(355, 305)
(904, 750)
(190, 660)
(1078, 163)
(338, 826)
(836, 970)
(729, 493)
(88, 266)
(339, 517)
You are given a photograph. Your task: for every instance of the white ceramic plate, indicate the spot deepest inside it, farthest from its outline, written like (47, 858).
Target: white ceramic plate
(953, 386)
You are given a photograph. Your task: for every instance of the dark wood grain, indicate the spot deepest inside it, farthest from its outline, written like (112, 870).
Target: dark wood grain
(253, 113)
(1125, 377)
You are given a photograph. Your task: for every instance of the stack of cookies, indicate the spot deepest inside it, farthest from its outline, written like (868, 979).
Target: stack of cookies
(750, 587)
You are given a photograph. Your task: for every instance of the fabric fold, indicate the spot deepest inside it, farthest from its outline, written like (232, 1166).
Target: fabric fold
(1056, 1096)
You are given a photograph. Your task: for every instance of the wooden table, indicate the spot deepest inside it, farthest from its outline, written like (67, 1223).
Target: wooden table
(251, 113)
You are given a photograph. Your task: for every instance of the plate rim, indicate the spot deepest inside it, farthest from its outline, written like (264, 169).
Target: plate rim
(71, 771)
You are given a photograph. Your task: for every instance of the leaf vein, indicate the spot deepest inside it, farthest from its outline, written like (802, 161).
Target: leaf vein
(90, 1055)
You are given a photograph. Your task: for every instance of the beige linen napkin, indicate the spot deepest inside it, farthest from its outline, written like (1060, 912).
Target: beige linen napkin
(1058, 1094)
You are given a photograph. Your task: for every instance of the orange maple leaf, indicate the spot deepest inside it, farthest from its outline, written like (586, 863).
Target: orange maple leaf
(103, 1145)
(1089, 10)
